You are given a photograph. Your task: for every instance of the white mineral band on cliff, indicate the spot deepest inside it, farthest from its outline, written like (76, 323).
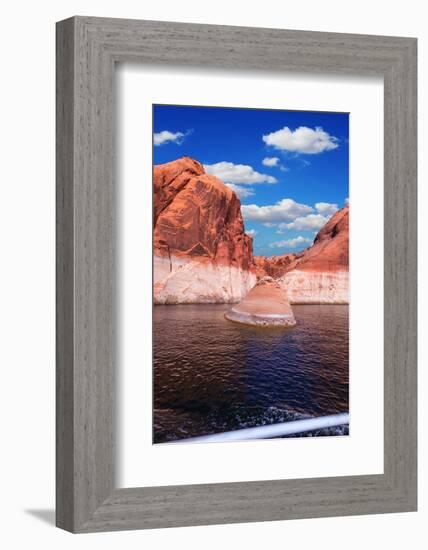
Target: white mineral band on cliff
(265, 305)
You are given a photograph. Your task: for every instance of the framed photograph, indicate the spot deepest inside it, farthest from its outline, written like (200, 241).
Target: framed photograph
(235, 252)
(236, 274)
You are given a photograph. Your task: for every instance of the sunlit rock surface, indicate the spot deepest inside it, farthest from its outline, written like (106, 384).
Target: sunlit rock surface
(266, 304)
(319, 274)
(201, 252)
(312, 287)
(273, 266)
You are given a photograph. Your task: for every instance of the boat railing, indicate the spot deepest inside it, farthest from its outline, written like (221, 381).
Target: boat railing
(273, 430)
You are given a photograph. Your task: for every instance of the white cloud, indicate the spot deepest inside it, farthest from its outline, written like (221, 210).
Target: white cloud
(286, 210)
(168, 137)
(251, 232)
(241, 191)
(326, 208)
(347, 200)
(311, 222)
(302, 140)
(270, 161)
(237, 173)
(291, 243)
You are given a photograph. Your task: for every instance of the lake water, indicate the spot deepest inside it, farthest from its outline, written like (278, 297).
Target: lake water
(212, 375)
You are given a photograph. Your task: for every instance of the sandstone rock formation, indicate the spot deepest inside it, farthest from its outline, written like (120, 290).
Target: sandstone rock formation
(273, 266)
(266, 305)
(201, 252)
(319, 274)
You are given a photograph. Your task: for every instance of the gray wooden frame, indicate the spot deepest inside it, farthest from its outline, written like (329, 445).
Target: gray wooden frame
(87, 50)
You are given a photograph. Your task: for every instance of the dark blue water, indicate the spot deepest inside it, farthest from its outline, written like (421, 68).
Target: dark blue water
(212, 375)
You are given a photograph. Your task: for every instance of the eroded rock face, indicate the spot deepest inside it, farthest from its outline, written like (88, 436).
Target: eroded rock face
(319, 274)
(201, 252)
(312, 287)
(273, 266)
(265, 305)
(330, 251)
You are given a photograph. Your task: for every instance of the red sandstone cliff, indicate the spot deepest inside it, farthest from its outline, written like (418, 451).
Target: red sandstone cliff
(319, 274)
(201, 252)
(273, 266)
(330, 251)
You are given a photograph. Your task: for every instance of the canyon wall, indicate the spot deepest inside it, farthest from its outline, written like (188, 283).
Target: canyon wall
(273, 266)
(319, 274)
(203, 255)
(201, 252)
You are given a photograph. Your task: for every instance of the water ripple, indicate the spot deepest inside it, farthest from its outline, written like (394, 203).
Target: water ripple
(211, 375)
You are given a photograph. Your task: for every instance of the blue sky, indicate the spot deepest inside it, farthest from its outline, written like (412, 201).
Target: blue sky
(289, 168)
